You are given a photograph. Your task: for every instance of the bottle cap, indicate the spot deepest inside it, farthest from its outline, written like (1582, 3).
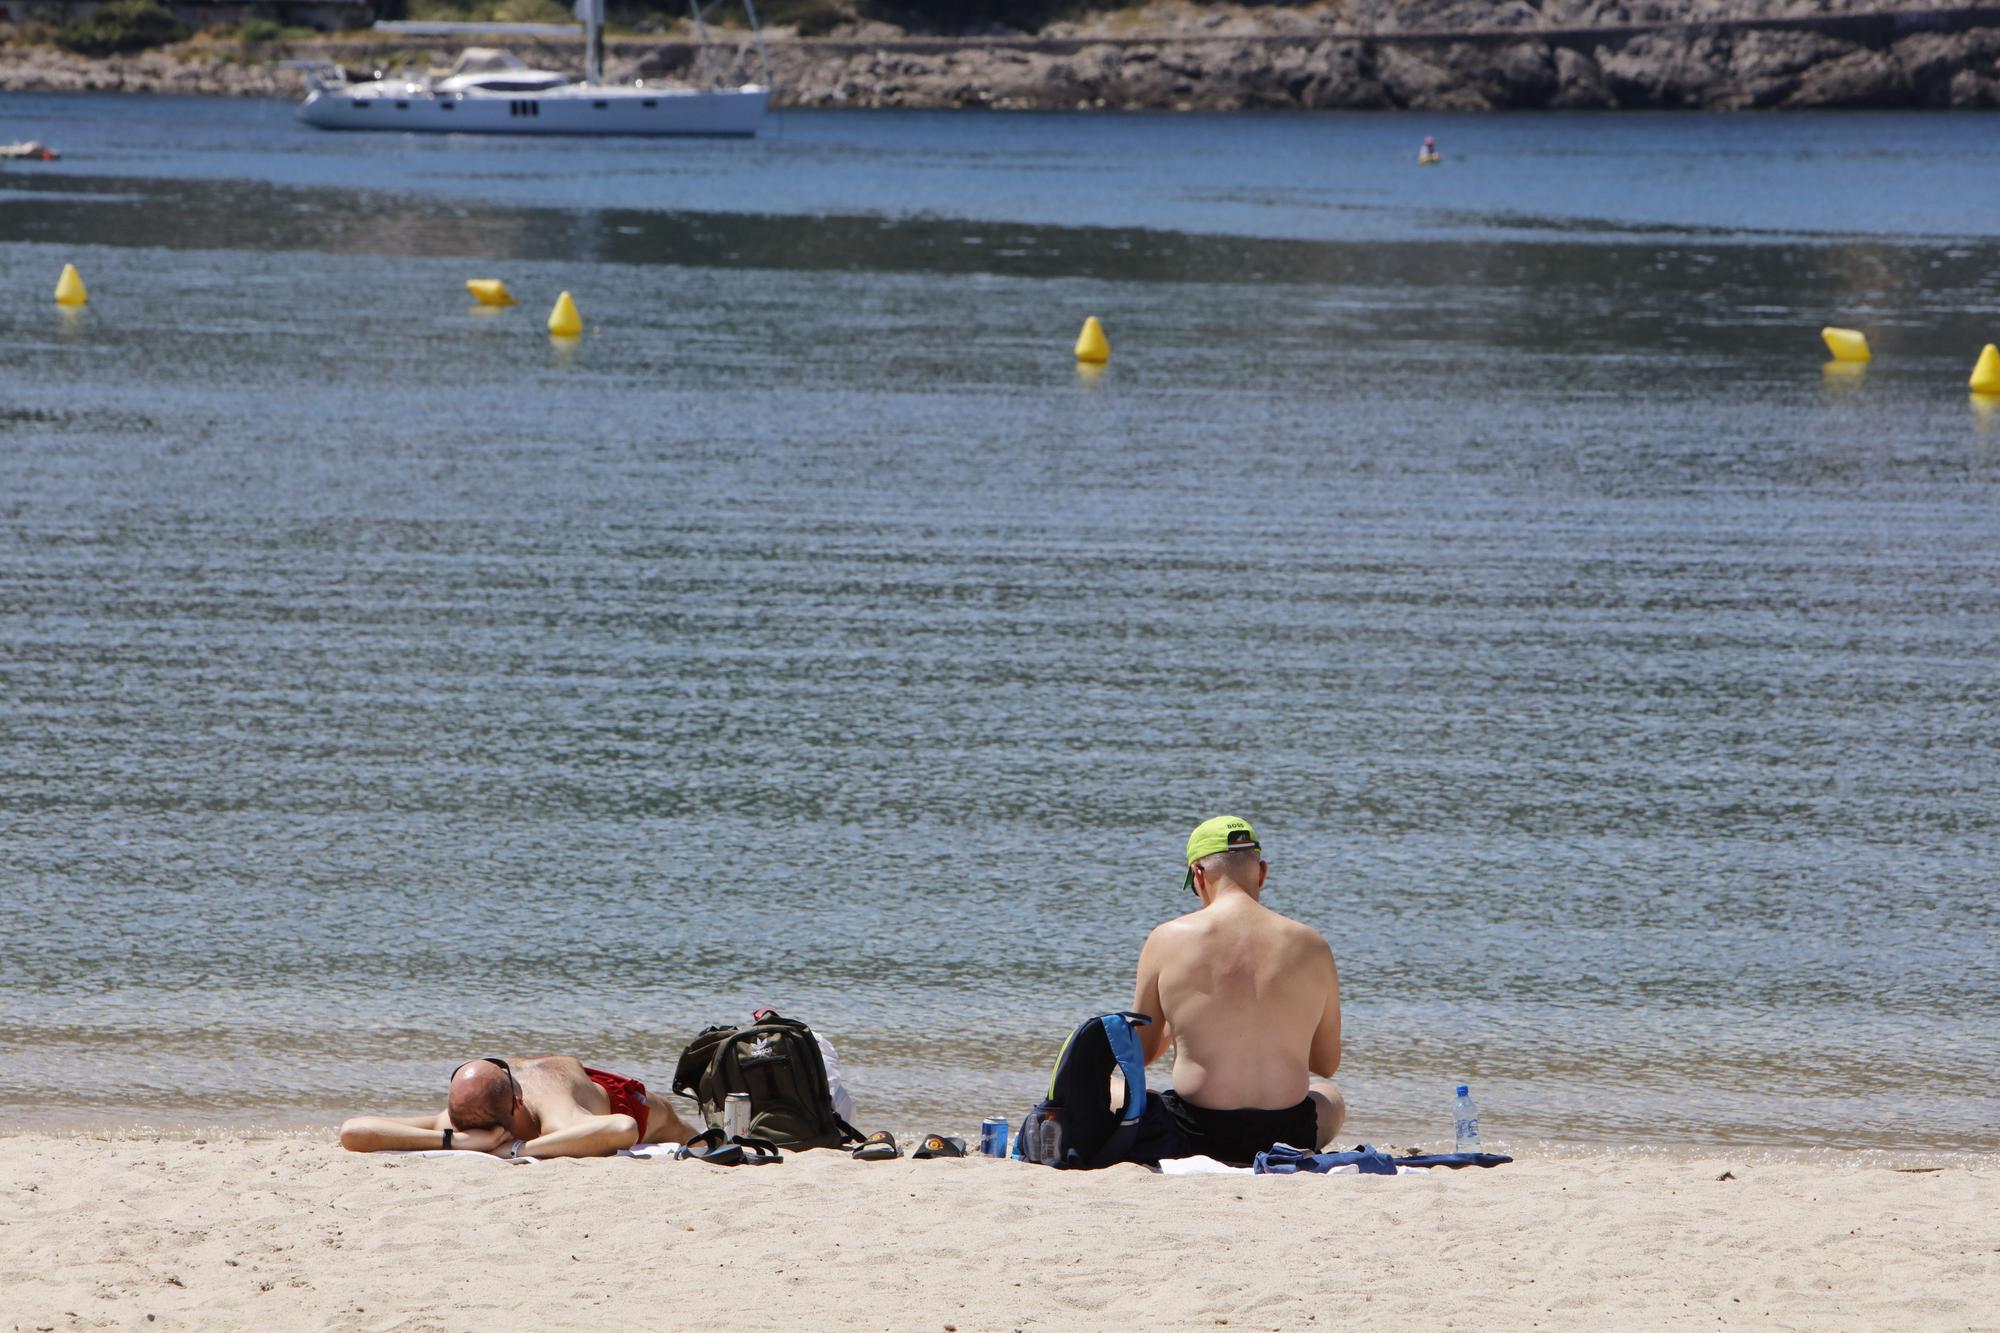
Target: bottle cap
(1464, 1090)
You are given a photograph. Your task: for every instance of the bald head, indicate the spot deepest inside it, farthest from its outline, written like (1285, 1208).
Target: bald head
(482, 1094)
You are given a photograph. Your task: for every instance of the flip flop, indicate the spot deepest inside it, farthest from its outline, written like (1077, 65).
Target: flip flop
(878, 1147)
(756, 1151)
(710, 1146)
(940, 1145)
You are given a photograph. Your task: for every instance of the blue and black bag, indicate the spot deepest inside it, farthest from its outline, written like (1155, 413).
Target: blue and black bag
(1075, 1125)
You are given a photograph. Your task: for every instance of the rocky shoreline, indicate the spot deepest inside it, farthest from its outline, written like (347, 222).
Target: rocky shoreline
(1456, 55)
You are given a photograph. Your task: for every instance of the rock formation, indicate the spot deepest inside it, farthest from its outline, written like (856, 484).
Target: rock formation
(1461, 55)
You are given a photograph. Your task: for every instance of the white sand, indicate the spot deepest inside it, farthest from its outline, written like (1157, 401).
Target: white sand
(294, 1233)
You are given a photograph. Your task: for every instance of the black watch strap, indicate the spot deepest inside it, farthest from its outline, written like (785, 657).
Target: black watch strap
(447, 1136)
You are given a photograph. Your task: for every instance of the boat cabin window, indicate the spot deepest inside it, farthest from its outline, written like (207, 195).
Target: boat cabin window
(520, 85)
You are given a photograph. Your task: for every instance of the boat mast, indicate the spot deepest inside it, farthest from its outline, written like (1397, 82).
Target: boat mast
(592, 14)
(763, 57)
(699, 12)
(701, 31)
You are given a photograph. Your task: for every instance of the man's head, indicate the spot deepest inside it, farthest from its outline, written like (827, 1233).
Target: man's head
(483, 1093)
(1221, 846)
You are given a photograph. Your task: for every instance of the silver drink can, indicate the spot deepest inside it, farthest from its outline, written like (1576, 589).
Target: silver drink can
(736, 1114)
(993, 1136)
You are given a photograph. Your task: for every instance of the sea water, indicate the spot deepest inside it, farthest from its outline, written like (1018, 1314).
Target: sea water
(383, 684)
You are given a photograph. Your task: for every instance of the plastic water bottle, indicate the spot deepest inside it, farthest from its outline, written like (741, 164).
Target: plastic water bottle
(1467, 1116)
(1049, 1146)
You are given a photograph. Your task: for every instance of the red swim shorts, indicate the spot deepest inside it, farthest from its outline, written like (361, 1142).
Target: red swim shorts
(628, 1096)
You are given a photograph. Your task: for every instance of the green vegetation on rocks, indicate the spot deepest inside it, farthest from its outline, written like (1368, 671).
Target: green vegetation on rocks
(120, 27)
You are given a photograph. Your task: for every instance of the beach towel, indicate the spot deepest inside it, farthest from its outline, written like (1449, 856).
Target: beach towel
(643, 1152)
(1365, 1159)
(1454, 1160)
(1200, 1166)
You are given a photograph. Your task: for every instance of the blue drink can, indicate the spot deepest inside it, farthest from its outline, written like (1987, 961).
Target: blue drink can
(993, 1136)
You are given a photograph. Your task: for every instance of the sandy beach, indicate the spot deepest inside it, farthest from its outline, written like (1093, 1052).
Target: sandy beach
(291, 1232)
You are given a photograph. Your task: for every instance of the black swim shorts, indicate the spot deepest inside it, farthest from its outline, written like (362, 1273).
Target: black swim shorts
(1236, 1137)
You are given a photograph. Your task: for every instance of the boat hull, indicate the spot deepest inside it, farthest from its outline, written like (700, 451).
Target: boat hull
(727, 112)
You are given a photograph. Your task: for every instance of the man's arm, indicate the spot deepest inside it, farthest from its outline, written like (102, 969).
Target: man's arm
(1324, 1058)
(381, 1133)
(588, 1136)
(1154, 1036)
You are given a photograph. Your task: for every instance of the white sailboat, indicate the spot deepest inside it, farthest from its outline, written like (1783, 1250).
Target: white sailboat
(493, 92)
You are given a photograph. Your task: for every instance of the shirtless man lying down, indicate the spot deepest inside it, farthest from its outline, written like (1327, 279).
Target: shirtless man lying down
(544, 1106)
(1250, 1000)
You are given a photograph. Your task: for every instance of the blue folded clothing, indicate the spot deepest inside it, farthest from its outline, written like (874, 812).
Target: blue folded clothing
(1283, 1159)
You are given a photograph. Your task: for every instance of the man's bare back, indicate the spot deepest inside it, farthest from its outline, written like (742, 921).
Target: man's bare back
(1250, 999)
(542, 1106)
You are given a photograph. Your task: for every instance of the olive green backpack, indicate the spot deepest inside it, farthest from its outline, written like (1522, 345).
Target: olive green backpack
(777, 1061)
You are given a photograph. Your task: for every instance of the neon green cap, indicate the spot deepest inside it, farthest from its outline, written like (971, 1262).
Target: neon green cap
(1217, 835)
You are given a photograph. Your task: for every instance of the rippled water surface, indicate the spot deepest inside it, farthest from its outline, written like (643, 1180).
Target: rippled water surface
(381, 683)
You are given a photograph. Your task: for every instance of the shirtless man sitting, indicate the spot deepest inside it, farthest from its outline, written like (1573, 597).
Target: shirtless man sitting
(1250, 1000)
(544, 1106)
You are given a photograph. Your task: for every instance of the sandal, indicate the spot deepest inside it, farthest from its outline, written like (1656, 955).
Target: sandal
(940, 1145)
(756, 1151)
(877, 1147)
(710, 1146)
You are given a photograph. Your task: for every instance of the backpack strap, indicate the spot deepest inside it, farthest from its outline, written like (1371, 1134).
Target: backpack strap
(695, 1060)
(1120, 1031)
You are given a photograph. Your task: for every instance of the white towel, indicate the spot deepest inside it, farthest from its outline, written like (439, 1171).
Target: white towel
(1201, 1166)
(1208, 1166)
(644, 1152)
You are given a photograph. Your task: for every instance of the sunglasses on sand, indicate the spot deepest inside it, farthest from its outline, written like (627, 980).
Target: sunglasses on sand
(513, 1085)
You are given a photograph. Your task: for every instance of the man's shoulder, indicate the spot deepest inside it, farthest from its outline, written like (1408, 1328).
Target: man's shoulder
(1300, 928)
(1163, 935)
(549, 1070)
(1292, 934)
(1254, 920)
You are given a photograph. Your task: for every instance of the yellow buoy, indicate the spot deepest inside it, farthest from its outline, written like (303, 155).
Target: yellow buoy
(1091, 344)
(564, 322)
(1986, 375)
(69, 287)
(489, 291)
(1846, 344)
